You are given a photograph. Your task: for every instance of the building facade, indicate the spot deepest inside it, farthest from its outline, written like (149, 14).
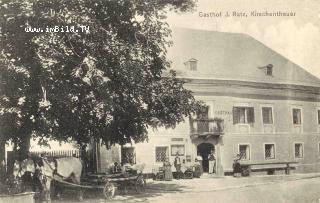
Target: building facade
(259, 105)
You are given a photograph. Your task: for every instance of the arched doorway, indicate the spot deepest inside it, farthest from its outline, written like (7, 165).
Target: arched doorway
(204, 150)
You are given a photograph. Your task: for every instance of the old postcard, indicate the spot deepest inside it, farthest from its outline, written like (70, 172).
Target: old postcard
(160, 101)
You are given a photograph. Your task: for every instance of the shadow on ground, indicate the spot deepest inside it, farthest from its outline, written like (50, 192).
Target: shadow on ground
(156, 188)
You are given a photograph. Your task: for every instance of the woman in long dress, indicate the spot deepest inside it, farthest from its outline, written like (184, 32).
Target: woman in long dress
(212, 162)
(197, 169)
(167, 170)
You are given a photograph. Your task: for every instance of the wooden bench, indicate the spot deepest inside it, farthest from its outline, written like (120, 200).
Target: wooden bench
(270, 167)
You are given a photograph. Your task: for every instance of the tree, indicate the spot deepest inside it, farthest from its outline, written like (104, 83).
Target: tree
(92, 69)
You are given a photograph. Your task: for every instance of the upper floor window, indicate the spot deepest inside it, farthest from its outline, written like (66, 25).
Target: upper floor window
(296, 116)
(298, 150)
(319, 116)
(191, 64)
(243, 115)
(203, 113)
(269, 69)
(267, 117)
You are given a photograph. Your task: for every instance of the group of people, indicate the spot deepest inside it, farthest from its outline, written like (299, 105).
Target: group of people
(127, 168)
(182, 168)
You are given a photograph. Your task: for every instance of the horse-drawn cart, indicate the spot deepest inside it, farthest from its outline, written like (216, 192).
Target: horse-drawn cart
(67, 173)
(108, 183)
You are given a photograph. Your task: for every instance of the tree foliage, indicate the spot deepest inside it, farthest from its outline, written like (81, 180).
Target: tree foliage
(108, 81)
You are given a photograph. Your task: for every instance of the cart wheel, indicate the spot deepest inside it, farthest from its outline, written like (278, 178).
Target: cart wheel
(140, 184)
(108, 190)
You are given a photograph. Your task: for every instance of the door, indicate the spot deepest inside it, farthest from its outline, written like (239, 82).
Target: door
(204, 150)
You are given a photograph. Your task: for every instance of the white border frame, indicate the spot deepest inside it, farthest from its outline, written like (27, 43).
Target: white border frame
(248, 144)
(294, 150)
(264, 150)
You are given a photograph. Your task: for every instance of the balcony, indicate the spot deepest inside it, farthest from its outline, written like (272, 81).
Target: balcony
(206, 127)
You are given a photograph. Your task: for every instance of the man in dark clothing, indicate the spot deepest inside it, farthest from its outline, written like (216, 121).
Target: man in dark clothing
(116, 168)
(237, 166)
(177, 165)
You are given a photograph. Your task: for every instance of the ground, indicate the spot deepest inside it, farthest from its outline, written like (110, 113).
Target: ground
(277, 188)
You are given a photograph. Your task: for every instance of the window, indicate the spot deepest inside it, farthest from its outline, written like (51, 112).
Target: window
(318, 116)
(177, 149)
(269, 69)
(298, 150)
(161, 154)
(269, 151)
(296, 116)
(128, 155)
(244, 151)
(191, 64)
(203, 113)
(243, 115)
(267, 115)
(202, 122)
(319, 149)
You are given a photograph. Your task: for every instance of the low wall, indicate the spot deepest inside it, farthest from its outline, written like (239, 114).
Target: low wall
(27, 197)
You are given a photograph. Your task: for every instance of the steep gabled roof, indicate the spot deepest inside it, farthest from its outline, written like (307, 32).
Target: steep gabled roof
(233, 56)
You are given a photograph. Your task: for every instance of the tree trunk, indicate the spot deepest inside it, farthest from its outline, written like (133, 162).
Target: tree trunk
(2, 149)
(2, 160)
(24, 146)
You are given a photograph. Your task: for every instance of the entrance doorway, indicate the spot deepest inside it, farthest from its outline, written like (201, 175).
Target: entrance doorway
(204, 150)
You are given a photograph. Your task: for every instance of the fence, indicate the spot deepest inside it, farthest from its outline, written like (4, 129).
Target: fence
(50, 154)
(58, 153)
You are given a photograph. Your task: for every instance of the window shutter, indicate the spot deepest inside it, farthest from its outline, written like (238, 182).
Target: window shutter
(250, 115)
(236, 116)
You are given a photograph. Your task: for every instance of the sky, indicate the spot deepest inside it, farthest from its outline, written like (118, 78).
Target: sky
(297, 37)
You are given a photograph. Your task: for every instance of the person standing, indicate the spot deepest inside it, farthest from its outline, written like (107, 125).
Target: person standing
(237, 166)
(167, 170)
(177, 165)
(212, 162)
(197, 169)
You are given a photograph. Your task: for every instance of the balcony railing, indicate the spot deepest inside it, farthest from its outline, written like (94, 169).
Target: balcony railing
(213, 126)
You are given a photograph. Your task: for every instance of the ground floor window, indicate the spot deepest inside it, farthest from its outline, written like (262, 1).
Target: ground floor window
(298, 150)
(177, 149)
(128, 155)
(244, 151)
(269, 151)
(161, 154)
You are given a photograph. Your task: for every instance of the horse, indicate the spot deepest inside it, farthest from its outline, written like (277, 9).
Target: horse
(44, 171)
(61, 169)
